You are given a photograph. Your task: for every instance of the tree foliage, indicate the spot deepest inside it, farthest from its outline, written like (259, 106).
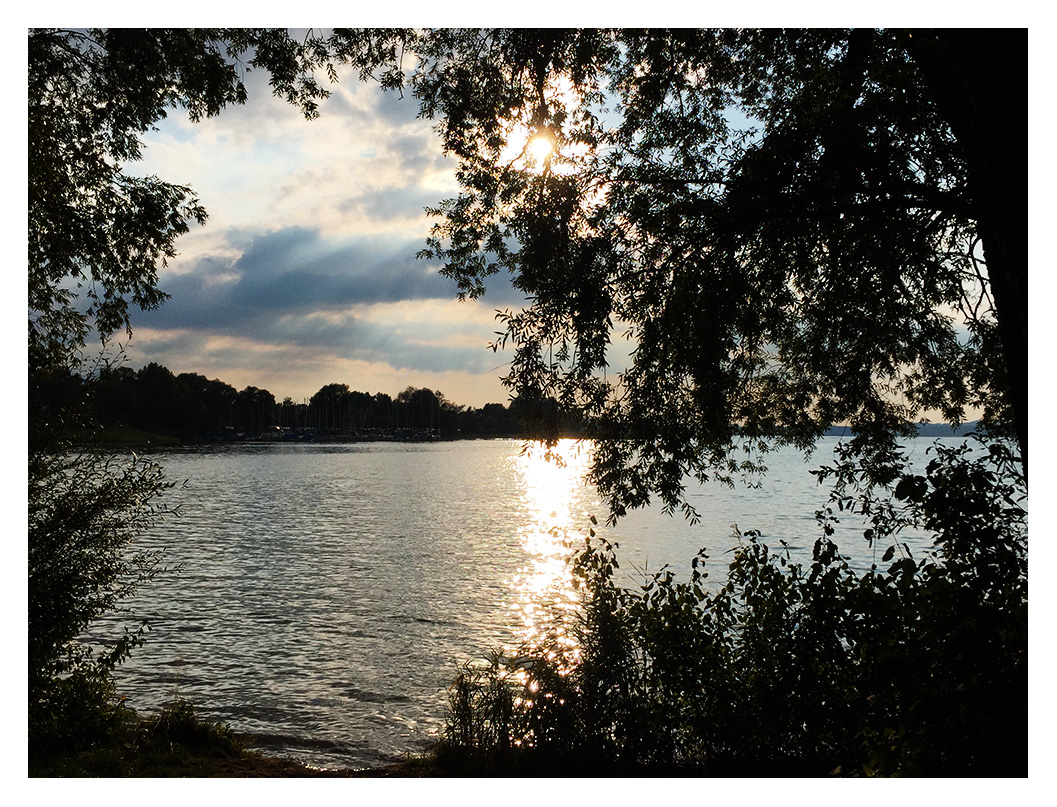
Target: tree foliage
(97, 238)
(789, 228)
(192, 408)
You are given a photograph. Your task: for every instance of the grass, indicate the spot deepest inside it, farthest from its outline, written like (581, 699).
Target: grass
(125, 436)
(178, 744)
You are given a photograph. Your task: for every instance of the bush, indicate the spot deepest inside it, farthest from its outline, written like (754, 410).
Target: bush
(918, 668)
(179, 725)
(85, 510)
(174, 742)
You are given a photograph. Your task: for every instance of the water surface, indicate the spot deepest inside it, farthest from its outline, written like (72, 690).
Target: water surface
(328, 593)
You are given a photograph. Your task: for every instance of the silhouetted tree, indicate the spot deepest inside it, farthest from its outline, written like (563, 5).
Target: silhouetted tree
(791, 228)
(781, 221)
(207, 406)
(116, 400)
(157, 392)
(418, 409)
(97, 237)
(329, 407)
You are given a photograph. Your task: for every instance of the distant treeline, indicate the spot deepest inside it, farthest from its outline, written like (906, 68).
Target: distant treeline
(924, 429)
(194, 407)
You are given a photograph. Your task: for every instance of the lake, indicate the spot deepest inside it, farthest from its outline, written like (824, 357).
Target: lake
(329, 592)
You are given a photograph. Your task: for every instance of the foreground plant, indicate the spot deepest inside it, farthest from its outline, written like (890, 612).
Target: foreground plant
(916, 668)
(174, 742)
(85, 511)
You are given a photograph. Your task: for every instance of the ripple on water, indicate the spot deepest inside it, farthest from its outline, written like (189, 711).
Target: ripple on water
(329, 593)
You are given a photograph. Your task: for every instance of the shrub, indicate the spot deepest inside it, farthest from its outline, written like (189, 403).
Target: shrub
(174, 742)
(178, 724)
(916, 668)
(85, 510)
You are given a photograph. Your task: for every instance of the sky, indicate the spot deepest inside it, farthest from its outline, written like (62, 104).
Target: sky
(305, 272)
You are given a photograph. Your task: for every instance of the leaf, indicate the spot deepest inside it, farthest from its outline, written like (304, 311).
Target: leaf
(911, 487)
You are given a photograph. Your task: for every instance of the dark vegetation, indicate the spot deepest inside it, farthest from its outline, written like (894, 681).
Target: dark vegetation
(795, 228)
(853, 252)
(176, 742)
(918, 667)
(152, 404)
(192, 408)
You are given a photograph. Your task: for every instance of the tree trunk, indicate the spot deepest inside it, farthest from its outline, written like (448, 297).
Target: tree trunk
(979, 78)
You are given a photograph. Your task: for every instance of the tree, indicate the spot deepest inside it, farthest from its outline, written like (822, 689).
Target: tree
(329, 405)
(256, 410)
(158, 394)
(92, 94)
(792, 228)
(206, 406)
(419, 409)
(116, 401)
(97, 238)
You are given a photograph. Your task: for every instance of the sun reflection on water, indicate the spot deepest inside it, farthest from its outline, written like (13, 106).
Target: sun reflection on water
(554, 497)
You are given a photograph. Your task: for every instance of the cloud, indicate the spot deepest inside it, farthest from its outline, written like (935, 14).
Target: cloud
(305, 272)
(406, 203)
(293, 271)
(299, 270)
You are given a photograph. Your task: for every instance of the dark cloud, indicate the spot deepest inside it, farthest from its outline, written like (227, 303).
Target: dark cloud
(173, 343)
(433, 347)
(294, 289)
(296, 271)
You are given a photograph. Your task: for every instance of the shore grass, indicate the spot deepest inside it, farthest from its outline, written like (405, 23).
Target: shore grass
(176, 743)
(182, 761)
(126, 437)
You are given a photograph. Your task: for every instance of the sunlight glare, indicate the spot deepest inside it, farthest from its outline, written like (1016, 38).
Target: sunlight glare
(553, 500)
(541, 146)
(536, 148)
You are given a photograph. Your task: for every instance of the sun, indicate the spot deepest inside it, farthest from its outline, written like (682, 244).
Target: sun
(528, 150)
(530, 143)
(541, 147)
